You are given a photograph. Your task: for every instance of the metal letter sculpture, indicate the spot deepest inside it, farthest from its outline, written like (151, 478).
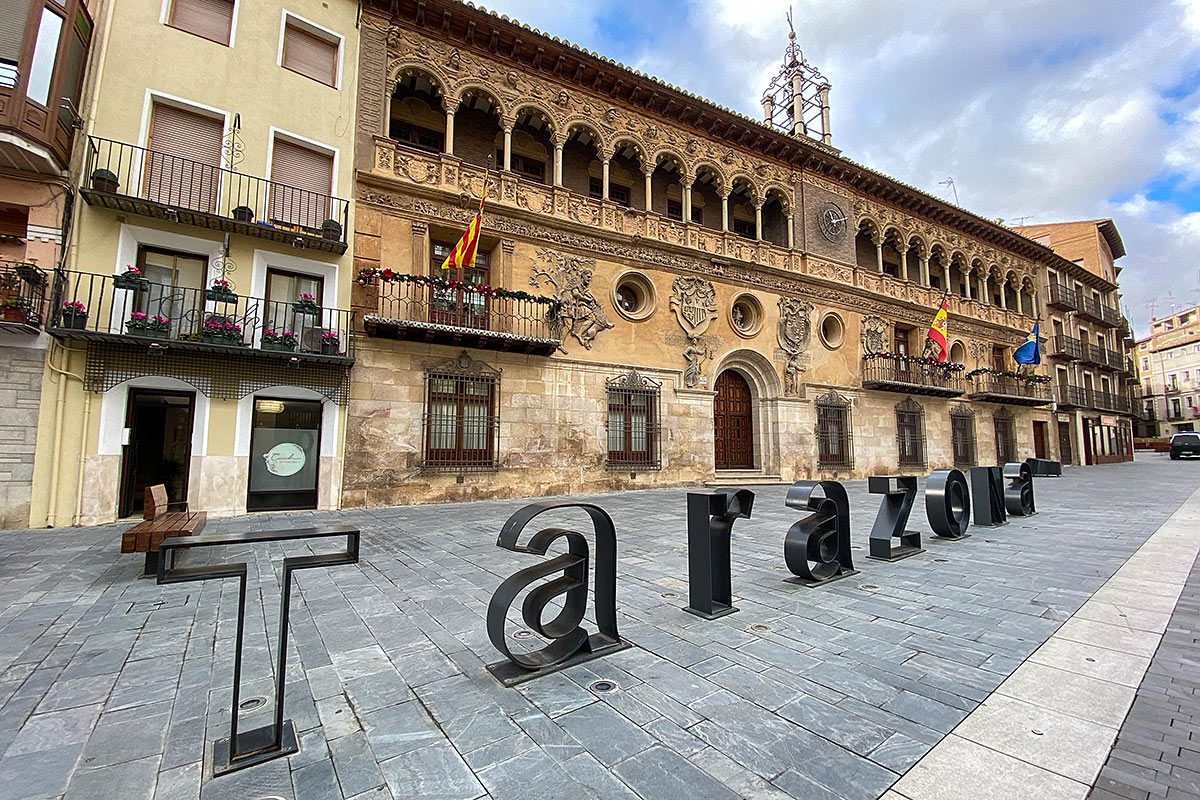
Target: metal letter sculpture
(1043, 468)
(1018, 495)
(710, 518)
(823, 537)
(987, 495)
(948, 503)
(571, 644)
(252, 747)
(898, 496)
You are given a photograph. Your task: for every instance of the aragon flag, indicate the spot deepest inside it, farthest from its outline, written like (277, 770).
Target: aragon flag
(463, 254)
(937, 331)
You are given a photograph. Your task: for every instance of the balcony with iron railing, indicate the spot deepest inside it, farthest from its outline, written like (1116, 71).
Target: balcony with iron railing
(1009, 388)
(109, 308)
(911, 375)
(1092, 354)
(1069, 396)
(135, 180)
(1092, 309)
(1062, 298)
(435, 310)
(23, 297)
(1066, 348)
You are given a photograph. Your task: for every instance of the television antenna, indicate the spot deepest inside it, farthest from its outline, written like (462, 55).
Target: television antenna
(950, 182)
(1021, 220)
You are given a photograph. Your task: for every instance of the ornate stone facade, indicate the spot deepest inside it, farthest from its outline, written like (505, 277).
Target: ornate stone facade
(565, 238)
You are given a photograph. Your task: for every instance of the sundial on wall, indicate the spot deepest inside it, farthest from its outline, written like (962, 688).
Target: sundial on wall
(832, 222)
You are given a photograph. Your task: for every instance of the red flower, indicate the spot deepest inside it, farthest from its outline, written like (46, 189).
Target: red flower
(387, 274)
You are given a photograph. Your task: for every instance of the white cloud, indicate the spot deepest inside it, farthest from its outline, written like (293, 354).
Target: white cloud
(1051, 109)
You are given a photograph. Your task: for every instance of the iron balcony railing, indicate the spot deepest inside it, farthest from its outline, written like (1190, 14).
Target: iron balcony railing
(1010, 387)
(411, 307)
(1068, 347)
(23, 295)
(911, 375)
(1062, 297)
(1093, 309)
(88, 306)
(139, 180)
(1082, 397)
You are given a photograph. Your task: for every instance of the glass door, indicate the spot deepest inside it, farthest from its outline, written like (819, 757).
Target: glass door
(176, 288)
(281, 314)
(285, 455)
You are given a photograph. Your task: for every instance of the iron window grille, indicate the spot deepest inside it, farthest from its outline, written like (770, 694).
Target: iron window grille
(1006, 440)
(462, 418)
(910, 434)
(632, 425)
(962, 436)
(835, 434)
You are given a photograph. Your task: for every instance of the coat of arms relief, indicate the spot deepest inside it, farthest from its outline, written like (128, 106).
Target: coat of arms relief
(795, 333)
(694, 301)
(571, 277)
(874, 335)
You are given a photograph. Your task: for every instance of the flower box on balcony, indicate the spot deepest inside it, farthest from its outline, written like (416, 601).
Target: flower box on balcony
(19, 314)
(149, 333)
(220, 295)
(130, 282)
(279, 347)
(104, 180)
(243, 214)
(74, 322)
(306, 304)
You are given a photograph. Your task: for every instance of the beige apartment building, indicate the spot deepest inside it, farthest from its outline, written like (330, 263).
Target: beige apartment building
(1169, 363)
(200, 330)
(1087, 338)
(668, 292)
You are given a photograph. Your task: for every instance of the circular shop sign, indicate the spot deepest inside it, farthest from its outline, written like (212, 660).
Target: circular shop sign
(285, 459)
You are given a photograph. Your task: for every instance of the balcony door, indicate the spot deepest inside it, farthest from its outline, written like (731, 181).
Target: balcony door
(301, 185)
(176, 287)
(283, 289)
(183, 165)
(460, 307)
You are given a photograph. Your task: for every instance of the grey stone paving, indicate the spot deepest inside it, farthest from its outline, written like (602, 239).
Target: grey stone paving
(1157, 751)
(111, 686)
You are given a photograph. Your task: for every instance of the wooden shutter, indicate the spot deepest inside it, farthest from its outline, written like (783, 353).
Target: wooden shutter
(310, 55)
(183, 167)
(212, 19)
(302, 180)
(15, 14)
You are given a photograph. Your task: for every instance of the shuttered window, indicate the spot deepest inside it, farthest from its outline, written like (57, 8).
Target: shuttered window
(310, 55)
(212, 19)
(15, 14)
(14, 222)
(183, 167)
(302, 180)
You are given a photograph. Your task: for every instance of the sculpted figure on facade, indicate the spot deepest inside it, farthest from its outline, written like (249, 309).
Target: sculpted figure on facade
(795, 332)
(874, 335)
(694, 301)
(571, 277)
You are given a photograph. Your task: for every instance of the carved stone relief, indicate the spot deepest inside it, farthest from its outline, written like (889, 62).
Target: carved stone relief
(694, 301)
(874, 335)
(795, 332)
(571, 277)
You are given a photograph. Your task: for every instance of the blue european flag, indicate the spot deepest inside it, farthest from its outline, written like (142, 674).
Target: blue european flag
(1031, 351)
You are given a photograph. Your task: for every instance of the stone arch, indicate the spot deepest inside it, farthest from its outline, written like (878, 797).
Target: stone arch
(780, 191)
(472, 89)
(744, 178)
(775, 214)
(633, 143)
(917, 242)
(666, 152)
(569, 126)
(401, 69)
(542, 112)
(874, 229)
(714, 169)
(766, 388)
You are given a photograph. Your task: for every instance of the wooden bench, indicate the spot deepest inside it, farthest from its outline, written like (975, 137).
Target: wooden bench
(160, 520)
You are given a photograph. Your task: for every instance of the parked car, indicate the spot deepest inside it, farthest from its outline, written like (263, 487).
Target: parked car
(1185, 444)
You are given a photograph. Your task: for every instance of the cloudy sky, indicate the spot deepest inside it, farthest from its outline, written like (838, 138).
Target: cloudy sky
(1042, 110)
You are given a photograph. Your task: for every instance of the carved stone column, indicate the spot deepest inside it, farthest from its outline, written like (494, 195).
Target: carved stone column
(791, 225)
(508, 130)
(967, 281)
(558, 158)
(725, 213)
(946, 275)
(758, 221)
(450, 132)
(604, 185)
(879, 256)
(687, 203)
(923, 268)
(649, 188)
(904, 264)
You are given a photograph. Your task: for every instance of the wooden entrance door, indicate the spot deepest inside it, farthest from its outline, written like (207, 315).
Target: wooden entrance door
(1064, 442)
(733, 422)
(1039, 440)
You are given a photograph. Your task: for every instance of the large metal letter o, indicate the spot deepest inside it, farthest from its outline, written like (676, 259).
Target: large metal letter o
(948, 503)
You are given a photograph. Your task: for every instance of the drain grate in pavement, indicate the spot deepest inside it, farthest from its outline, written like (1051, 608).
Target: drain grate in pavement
(603, 686)
(251, 704)
(760, 627)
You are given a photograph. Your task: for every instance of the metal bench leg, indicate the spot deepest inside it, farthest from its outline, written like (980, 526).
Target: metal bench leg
(151, 564)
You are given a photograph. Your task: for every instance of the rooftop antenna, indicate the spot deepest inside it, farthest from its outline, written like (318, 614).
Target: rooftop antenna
(796, 101)
(1171, 301)
(1021, 220)
(950, 182)
(1152, 304)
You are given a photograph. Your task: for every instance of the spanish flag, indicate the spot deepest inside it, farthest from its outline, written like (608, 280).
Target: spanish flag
(463, 254)
(937, 331)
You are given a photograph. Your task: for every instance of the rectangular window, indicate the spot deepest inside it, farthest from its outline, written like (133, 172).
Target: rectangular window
(309, 53)
(210, 19)
(633, 428)
(45, 51)
(529, 167)
(595, 188)
(183, 167)
(698, 214)
(744, 228)
(461, 423)
(283, 290)
(835, 442)
(1006, 442)
(176, 288)
(999, 359)
(14, 222)
(420, 138)
(12, 38)
(458, 307)
(285, 455)
(302, 182)
(962, 439)
(675, 210)
(910, 438)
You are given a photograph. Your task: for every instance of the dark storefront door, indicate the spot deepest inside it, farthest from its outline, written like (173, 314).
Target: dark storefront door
(1064, 442)
(159, 448)
(1039, 440)
(733, 422)
(285, 455)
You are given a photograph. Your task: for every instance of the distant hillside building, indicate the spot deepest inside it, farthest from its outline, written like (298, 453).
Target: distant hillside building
(1169, 362)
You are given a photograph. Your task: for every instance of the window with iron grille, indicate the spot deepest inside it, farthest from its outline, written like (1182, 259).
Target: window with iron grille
(910, 433)
(835, 436)
(962, 436)
(1006, 439)
(632, 424)
(461, 416)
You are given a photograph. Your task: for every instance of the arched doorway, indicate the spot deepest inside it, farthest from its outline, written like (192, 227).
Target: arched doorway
(733, 422)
